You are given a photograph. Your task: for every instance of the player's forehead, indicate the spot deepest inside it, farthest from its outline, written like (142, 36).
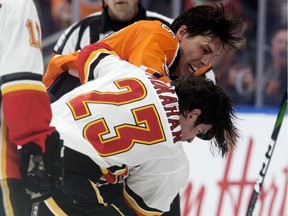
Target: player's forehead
(213, 44)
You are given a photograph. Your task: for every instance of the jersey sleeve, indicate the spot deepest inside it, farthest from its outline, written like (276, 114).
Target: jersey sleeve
(25, 102)
(59, 64)
(152, 186)
(157, 53)
(88, 59)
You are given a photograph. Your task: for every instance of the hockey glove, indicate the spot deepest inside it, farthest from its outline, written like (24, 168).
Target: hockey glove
(42, 174)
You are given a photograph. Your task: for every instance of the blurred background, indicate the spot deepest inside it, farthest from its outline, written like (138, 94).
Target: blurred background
(254, 77)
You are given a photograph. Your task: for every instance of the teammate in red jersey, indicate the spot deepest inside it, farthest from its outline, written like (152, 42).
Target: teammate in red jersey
(25, 113)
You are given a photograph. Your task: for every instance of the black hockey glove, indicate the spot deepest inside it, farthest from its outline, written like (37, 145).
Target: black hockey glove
(64, 83)
(42, 174)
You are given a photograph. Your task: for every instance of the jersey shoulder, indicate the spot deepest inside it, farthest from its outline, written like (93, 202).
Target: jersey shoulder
(155, 27)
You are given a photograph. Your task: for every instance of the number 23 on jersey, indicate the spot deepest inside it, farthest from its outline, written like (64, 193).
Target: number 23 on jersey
(147, 129)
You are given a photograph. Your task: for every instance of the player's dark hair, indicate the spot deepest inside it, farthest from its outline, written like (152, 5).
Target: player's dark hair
(212, 20)
(196, 92)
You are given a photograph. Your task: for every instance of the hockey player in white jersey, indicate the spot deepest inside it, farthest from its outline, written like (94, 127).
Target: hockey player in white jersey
(128, 126)
(25, 112)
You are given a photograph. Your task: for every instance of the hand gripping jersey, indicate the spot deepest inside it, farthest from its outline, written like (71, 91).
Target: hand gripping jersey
(25, 105)
(128, 119)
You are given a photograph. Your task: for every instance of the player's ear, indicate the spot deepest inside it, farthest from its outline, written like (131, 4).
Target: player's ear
(194, 113)
(181, 33)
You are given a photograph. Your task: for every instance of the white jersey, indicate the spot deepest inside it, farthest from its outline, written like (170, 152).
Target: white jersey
(21, 70)
(19, 41)
(25, 111)
(127, 117)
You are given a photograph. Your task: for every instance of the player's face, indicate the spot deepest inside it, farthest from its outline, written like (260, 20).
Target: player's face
(188, 129)
(122, 10)
(196, 52)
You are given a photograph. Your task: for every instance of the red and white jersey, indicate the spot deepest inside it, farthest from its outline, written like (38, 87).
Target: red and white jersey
(25, 105)
(128, 117)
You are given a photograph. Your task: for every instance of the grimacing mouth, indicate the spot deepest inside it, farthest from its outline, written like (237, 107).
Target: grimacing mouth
(192, 68)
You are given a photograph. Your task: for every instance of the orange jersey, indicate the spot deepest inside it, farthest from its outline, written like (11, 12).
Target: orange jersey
(148, 44)
(151, 44)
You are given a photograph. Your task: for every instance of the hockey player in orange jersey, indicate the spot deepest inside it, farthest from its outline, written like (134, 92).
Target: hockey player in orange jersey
(196, 37)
